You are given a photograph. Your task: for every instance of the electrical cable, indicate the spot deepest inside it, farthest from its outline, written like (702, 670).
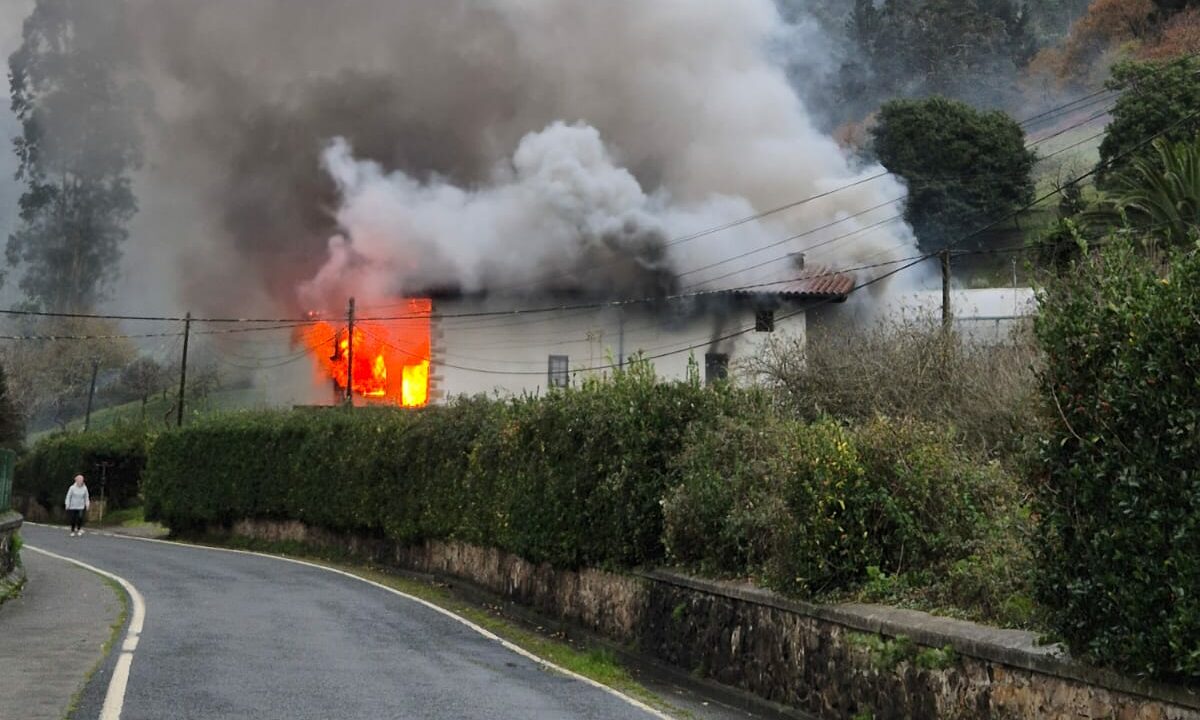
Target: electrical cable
(713, 341)
(292, 322)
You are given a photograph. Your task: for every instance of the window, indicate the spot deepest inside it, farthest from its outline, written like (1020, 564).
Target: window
(559, 375)
(764, 321)
(716, 367)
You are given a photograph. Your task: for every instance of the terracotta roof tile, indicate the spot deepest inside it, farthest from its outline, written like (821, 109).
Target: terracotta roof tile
(816, 283)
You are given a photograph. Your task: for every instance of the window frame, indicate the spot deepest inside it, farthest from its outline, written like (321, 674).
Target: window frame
(764, 321)
(719, 361)
(558, 371)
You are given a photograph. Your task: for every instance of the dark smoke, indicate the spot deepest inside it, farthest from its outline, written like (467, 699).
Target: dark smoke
(439, 98)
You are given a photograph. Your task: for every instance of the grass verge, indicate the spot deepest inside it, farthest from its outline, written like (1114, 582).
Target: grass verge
(10, 586)
(10, 589)
(106, 648)
(598, 664)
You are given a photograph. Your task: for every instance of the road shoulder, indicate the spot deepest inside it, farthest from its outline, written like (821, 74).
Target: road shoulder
(54, 635)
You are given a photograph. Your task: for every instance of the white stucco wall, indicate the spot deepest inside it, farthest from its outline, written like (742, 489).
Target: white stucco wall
(985, 315)
(509, 355)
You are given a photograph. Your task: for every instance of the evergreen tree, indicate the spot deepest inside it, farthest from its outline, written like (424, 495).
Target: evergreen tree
(1155, 98)
(79, 143)
(964, 168)
(957, 48)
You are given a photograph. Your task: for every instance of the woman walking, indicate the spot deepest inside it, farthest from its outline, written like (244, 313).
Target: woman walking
(78, 502)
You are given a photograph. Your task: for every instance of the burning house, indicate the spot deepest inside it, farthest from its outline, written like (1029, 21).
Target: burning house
(625, 188)
(415, 352)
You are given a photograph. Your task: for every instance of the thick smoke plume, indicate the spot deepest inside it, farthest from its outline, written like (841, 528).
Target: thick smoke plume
(376, 147)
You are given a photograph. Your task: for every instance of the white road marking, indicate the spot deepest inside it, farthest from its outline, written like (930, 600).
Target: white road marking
(114, 699)
(437, 608)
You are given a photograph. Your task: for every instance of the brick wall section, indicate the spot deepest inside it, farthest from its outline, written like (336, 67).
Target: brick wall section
(831, 661)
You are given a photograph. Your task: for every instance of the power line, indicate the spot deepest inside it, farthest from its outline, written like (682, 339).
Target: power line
(862, 181)
(876, 225)
(983, 229)
(142, 336)
(155, 318)
(293, 322)
(907, 263)
(285, 360)
(597, 305)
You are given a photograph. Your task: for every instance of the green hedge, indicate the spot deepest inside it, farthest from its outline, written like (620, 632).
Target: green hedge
(1119, 497)
(618, 474)
(45, 472)
(575, 478)
(809, 508)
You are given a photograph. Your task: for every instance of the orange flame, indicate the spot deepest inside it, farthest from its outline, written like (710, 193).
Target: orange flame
(391, 357)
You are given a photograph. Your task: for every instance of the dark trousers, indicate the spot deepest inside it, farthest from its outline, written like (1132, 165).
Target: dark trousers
(76, 519)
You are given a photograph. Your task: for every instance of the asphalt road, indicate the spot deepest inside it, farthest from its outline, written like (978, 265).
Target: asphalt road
(240, 636)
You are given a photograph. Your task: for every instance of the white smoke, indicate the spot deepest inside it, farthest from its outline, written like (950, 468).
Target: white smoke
(686, 96)
(558, 198)
(489, 144)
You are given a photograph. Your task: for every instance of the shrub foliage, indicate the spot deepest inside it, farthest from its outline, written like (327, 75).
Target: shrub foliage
(614, 474)
(46, 471)
(574, 478)
(808, 508)
(911, 369)
(1119, 561)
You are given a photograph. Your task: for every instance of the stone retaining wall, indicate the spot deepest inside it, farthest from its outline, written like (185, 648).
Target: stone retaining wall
(832, 661)
(12, 575)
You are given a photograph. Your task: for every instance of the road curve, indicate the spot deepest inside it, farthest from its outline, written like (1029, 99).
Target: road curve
(243, 636)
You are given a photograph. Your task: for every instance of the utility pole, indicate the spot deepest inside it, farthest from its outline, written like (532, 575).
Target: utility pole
(87, 418)
(621, 337)
(104, 465)
(1014, 264)
(350, 355)
(187, 331)
(947, 312)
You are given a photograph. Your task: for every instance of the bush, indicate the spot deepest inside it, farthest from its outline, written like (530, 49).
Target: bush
(809, 508)
(1119, 494)
(575, 478)
(46, 471)
(911, 369)
(618, 473)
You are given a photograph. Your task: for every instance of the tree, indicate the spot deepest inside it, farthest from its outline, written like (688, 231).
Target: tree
(78, 146)
(1156, 98)
(1158, 193)
(50, 378)
(141, 379)
(1053, 18)
(12, 422)
(1170, 7)
(1180, 36)
(959, 48)
(964, 168)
